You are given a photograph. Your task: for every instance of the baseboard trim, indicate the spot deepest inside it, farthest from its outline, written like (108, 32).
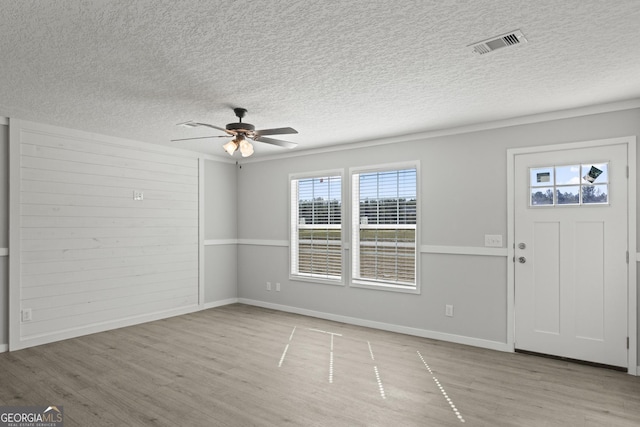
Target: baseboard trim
(108, 326)
(423, 333)
(35, 340)
(220, 303)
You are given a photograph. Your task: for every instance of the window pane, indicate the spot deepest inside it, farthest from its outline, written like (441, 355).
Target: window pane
(541, 177)
(568, 175)
(388, 255)
(320, 252)
(388, 197)
(569, 195)
(319, 201)
(596, 173)
(542, 196)
(592, 194)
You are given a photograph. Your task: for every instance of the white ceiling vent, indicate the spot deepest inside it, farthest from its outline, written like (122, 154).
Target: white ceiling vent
(509, 39)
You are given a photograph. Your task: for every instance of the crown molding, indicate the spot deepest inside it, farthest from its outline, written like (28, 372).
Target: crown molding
(496, 124)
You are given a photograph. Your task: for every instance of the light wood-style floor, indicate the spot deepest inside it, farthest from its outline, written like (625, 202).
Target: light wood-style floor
(245, 366)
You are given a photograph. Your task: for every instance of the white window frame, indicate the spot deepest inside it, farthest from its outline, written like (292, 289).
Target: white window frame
(294, 227)
(356, 226)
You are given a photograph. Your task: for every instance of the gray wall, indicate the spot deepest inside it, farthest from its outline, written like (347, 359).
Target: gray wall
(4, 234)
(220, 226)
(463, 197)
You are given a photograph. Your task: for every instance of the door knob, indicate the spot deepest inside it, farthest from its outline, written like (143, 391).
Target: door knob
(522, 260)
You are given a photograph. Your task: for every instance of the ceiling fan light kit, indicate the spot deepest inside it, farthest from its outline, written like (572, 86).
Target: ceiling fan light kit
(230, 147)
(242, 133)
(246, 149)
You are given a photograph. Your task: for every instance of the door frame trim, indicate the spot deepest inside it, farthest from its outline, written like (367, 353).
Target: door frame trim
(632, 288)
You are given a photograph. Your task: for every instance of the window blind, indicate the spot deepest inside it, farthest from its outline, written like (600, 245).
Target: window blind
(316, 227)
(384, 227)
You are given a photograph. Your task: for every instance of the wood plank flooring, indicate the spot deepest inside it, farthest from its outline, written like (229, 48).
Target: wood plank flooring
(246, 366)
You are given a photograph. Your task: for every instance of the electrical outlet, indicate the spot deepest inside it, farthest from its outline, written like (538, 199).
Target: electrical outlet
(493, 240)
(278, 287)
(448, 310)
(268, 286)
(138, 195)
(26, 315)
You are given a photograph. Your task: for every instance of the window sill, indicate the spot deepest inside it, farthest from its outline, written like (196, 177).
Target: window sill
(385, 287)
(317, 280)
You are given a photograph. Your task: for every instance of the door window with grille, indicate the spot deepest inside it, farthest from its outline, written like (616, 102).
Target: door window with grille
(569, 185)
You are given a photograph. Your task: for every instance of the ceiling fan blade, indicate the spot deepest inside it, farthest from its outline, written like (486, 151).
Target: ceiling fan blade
(192, 124)
(213, 127)
(202, 137)
(276, 131)
(278, 142)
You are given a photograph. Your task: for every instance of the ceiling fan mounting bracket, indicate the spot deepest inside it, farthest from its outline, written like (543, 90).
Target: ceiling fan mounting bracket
(240, 112)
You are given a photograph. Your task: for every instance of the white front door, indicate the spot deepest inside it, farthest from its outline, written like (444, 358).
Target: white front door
(571, 253)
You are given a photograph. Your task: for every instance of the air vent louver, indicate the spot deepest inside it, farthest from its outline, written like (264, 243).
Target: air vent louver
(510, 39)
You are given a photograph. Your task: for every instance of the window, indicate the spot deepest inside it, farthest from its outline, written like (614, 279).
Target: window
(570, 185)
(384, 221)
(316, 227)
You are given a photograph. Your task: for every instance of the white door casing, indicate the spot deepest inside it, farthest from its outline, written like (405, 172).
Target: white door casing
(571, 295)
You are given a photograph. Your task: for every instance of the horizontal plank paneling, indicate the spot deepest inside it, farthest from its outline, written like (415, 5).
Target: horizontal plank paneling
(106, 171)
(83, 145)
(77, 232)
(46, 268)
(97, 180)
(111, 273)
(181, 276)
(105, 242)
(89, 211)
(100, 222)
(100, 159)
(103, 191)
(103, 253)
(32, 198)
(89, 253)
(50, 313)
(102, 296)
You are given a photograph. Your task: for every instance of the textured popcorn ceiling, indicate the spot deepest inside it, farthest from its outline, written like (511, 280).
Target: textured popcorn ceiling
(337, 71)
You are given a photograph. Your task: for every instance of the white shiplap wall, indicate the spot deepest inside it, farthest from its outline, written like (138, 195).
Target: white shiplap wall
(89, 253)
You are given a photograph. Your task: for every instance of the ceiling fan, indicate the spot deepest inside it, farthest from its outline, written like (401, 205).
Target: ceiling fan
(242, 133)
